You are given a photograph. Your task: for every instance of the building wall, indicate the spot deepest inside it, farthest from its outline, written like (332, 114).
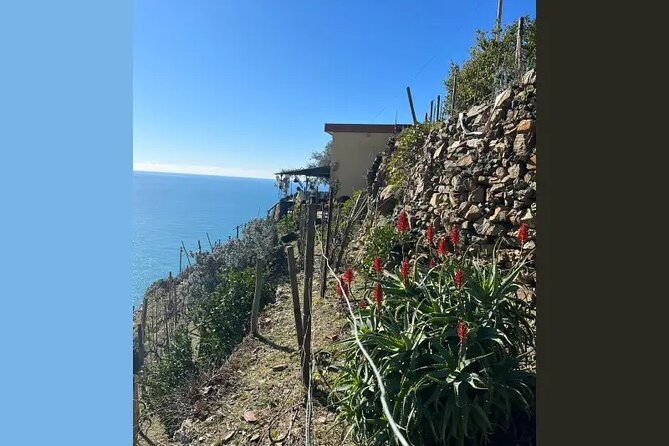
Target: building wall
(352, 156)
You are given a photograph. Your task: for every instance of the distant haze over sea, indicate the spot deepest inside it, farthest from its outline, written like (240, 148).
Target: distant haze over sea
(169, 208)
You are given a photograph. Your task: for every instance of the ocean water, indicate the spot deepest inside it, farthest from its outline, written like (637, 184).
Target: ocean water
(169, 208)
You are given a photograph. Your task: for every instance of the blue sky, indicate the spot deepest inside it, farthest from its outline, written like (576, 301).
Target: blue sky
(244, 87)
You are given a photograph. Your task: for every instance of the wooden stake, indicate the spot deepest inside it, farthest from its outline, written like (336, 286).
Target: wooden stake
(256, 297)
(186, 252)
(455, 91)
(308, 283)
(180, 255)
(438, 106)
(295, 292)
(326, 249)
(519, 44)
(135, 412)
(413, 112)
(498, 24)
(431, 110)
(199, 246)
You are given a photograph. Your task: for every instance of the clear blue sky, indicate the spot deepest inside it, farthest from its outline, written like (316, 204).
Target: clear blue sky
(244, 87)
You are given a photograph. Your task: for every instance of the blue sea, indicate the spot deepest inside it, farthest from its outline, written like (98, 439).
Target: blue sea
(170, 208)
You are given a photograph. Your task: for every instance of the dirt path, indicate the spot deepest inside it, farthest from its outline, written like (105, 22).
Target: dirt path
(261, 381)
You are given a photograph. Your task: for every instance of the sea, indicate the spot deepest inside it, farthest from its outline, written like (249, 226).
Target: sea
(169, 209)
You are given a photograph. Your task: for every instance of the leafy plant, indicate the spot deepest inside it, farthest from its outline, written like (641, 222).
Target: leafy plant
(289, 222)
(223, 318)
(381, 241)
(406, 153)
(491, 65)
(167, 381)
(449, 348)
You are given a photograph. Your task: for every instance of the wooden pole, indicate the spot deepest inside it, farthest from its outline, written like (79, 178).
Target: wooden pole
(186, 252)
(498, 23)
(180, 255)
(326, 249)
(199, 246)
(135, 412)
(519, 44)
(455, 91)
(308, 283)
(237, 232)
(431, 109)
(413, 112)
(438, 106)
(295, 291)
(209, 240)
(256, 297)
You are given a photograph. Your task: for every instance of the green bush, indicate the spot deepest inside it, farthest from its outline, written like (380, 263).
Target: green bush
(406, 153)
(223, 318)
(491, 65)
(441, 391)
(289, 222)
(380, 240)
(167, 382)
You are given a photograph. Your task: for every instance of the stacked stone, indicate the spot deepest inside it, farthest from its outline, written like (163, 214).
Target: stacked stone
(478, 172)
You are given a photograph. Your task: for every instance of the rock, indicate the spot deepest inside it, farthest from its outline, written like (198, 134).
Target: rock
(477, 195)
(435, 200)
(526, 126)
(387, 192)
(466, 161)
(520, 147)
(486, 228)
(228, 435)
(501, 172)
(503, 100)
(477, 110)
(280, 367)
(516, 171)
(473, 213)
(529, 78)
(528, 218)
(474, 143)
(438, 151)
(250, 417)
(254, 438)
(186, 432)
(500, 215)
(532, 163)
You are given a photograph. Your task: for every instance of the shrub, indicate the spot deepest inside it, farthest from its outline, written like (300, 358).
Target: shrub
(167, 382)
(449, 357)
(382, 240)
(406, 153)
(289, 222)
(223, 318)
(491, 66)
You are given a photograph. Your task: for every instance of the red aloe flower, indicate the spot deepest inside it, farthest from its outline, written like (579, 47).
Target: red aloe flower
(341, 287)
(432, 263)
(455, 235)
(377, 264)
(458, 278)
(348, 276)
(430, 234)
(363, 303)
(378, 294)
(442, 249)
(522, 233)
(403, 222)
(404, 270)
(462, 331)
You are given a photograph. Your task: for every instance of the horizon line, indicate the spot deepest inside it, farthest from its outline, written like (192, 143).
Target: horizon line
(215, 171)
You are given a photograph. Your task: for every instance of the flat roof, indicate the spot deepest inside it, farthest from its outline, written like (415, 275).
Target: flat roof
(365, 128)
(321, 171)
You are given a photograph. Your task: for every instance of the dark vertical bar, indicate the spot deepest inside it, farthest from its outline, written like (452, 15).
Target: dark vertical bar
(413, 112)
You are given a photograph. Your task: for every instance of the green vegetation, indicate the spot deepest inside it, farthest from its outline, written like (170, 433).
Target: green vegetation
(320, 158)
(289, 222)
(491, 65)
(450, 355)
(166, 383)
(217, 293)
(406, 153)
(380, 241)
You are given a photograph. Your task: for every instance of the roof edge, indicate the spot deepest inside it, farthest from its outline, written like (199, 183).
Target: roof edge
(364, 128)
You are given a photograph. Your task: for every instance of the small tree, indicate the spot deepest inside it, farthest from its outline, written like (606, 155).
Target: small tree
(491, 66)
(321, 158)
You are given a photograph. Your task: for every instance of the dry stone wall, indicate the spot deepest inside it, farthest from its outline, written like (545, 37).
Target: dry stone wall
(476, 170)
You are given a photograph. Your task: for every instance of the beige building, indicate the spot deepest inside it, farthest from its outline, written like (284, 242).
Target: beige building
(354, 147)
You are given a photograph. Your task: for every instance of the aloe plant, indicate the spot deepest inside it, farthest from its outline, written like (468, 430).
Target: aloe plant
(449, 352)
